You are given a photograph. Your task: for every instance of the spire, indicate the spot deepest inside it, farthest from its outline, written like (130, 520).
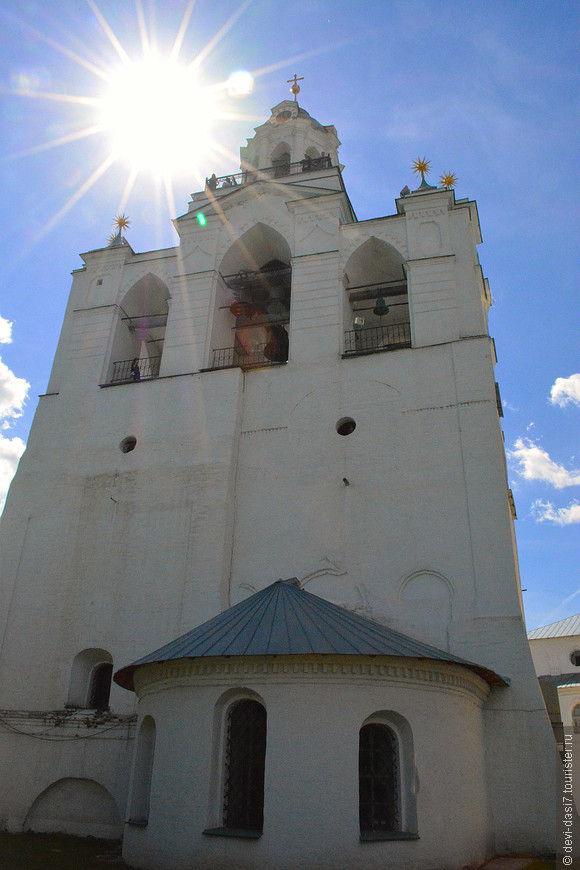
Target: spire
(121, 222)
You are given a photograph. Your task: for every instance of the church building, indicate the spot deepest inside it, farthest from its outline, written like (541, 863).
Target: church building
(260, 604)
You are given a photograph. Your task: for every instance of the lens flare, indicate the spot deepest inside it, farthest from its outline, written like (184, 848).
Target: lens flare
(240, 83)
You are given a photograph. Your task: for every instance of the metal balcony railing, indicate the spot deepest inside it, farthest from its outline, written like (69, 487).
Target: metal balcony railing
(375, 339)
(125, 373)
(234, 357)
(280, 170)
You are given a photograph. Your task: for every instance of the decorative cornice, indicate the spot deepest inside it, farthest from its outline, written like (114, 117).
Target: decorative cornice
(416, 214)
(265, 429)
(452, 406)
(158, 676)
(427, 261)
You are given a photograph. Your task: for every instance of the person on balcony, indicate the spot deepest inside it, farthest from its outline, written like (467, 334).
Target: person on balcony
(135, 370)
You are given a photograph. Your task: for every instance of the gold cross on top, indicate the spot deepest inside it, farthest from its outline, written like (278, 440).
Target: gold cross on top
(295, 89)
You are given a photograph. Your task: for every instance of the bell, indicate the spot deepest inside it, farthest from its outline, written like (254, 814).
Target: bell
(242, 309)
(380, 308)
(276, 349)
(277, 309)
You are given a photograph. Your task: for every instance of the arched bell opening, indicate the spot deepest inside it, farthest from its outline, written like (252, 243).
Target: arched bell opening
(252, 318)
(377, 309)
(281, 159)
(140, 332)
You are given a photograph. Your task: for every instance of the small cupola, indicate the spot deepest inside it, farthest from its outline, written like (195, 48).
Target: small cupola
(290, 137)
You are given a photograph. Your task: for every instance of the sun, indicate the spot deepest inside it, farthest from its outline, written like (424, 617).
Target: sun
(158, 115)
(153, 113)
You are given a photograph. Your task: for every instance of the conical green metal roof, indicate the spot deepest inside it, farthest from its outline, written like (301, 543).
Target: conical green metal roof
(284, 619)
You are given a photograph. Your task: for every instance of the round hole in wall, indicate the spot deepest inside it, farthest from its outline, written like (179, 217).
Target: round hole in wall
(575, 658)
(345, 426)
(128, 444)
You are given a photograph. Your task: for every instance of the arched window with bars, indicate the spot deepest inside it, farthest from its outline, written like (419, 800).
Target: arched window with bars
(387, 779)
(378, 765)
(245, 755)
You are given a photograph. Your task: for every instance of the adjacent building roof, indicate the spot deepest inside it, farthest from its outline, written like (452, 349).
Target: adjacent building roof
(563, 628)
(569, 681)
(284, 619)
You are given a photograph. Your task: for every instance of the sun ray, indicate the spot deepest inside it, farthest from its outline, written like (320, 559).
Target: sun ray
(47, 95)
(145, 43)
(98, 71)
(169, 194)
(129, 185)
(224, 151)
(298, 57)
(109, 32)
(237, 116)
(108, 161)
(176, 47)
(219, 35)
(46, 146)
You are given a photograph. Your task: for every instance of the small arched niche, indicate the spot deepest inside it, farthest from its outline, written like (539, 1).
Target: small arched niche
(252, 301)
(140, 788)
(377, 305)
(140, 332)
(90, 680)
(80, 807)
(426, 607)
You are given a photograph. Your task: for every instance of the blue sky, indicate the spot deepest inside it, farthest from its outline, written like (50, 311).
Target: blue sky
(486, 90)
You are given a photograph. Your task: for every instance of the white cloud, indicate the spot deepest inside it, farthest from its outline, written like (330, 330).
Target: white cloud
(545, 511)
(11, 449)
(535, 464)
(13, 392)
(5, 331)
(566, 391)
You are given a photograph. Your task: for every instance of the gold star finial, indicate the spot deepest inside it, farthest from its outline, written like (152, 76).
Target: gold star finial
(448, 179)
(122, 222)
(421, 167)
(295, 89)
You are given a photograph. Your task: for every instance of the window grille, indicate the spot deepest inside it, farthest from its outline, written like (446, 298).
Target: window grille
(244, 773)
(378, 779)
(377, 338)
